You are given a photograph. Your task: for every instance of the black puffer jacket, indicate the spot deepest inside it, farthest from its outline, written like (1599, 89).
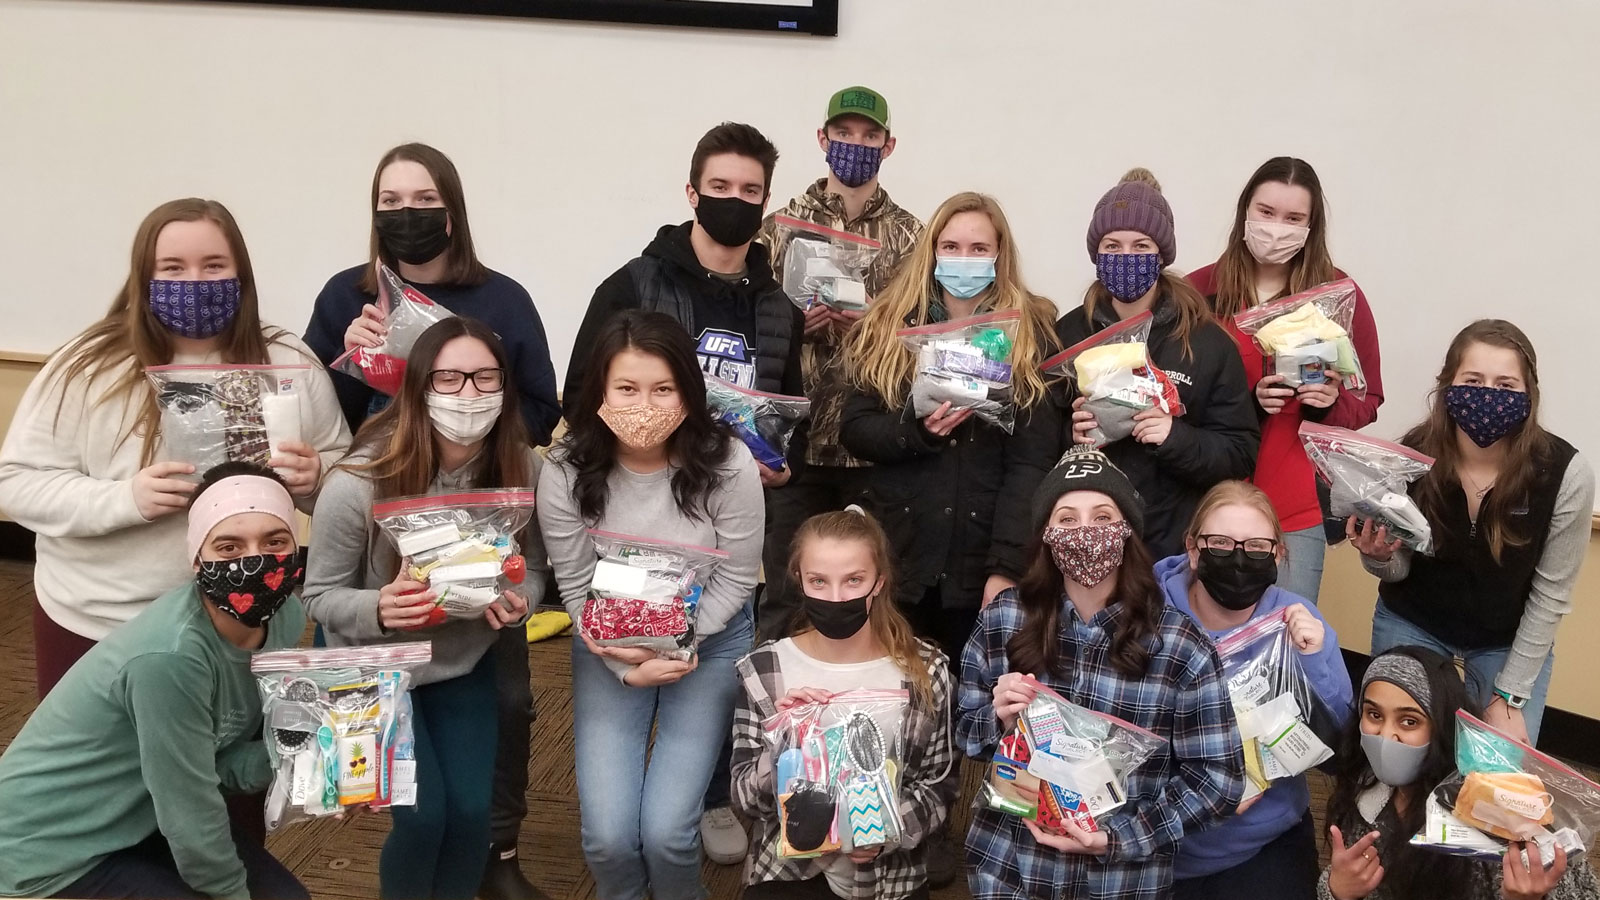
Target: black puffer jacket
(1216, 439)
(955, 508)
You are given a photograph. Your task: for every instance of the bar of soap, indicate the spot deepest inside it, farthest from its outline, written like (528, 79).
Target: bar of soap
(459, 599)
(414, 542)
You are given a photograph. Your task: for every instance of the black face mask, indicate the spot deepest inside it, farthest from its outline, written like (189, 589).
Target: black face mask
(252, 588)
(730, 221)
(414, 235)
(1236, 581)
(837, 620)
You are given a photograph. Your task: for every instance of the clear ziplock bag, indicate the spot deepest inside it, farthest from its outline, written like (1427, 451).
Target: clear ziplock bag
(1308, 334)
(837, 768)
(1367, 478)
(824, 265)
(216, 414)
(765, 422)
(407, 314)
(462, 545)
(1113, 372)
(1504, 790)
(966, 363)
(1286, 728)
(645, 593)
(1063, 761)
(337, 725)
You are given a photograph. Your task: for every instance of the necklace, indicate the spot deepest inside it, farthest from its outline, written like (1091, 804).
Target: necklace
(1480, 491)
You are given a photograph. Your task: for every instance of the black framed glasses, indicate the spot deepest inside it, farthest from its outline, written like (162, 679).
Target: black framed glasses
(1222, 545)
(451, 381)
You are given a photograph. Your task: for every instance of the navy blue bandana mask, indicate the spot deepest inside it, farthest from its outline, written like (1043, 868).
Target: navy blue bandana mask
(854, 164)
(1486, 414)
(1128, 276)
(195, 309)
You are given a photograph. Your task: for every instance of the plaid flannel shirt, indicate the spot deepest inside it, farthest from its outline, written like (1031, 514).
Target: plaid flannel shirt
(821, 360)
(928, 785)
(1190, 785)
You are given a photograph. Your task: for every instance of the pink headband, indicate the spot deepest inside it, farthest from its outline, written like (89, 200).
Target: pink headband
(232, 496)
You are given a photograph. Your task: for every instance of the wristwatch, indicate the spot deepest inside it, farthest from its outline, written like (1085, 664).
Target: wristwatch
(1512, 700)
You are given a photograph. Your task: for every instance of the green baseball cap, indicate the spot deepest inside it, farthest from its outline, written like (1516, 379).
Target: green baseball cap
(859, 101)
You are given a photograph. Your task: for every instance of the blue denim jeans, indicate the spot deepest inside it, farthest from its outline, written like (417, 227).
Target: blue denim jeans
(641, 822)
(1301, 572)
(1389, 629)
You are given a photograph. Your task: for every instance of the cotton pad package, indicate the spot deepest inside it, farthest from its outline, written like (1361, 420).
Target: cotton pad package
(837, 769)
(1307, 336)
(645, 592)
(407, 314)
(764, 422)
(1113, 372)
(1285, 727)
(337, 727)
(463, 545)
(966, 363)
(1367, 478)
(1505, 790)
(824, 265)
(1063, 762)
(216, 414)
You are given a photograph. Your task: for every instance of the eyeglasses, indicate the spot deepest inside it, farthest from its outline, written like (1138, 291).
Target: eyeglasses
(1222, 545)
(451, 381)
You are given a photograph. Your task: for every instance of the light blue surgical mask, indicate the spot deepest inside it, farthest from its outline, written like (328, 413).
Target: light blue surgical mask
(964, 277)
(1394, 763)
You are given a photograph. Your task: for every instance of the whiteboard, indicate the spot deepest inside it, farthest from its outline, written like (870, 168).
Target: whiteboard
(1455, 139)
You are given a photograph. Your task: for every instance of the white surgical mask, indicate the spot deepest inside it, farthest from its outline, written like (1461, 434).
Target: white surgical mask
(1274, 243)
(464, 421)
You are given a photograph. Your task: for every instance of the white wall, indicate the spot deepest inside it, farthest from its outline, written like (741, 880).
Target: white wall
(1455, 139)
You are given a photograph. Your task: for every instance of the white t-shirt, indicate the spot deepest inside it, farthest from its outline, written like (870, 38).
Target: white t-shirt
(803, 671)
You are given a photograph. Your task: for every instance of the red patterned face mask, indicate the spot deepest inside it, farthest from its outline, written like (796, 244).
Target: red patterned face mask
(1088, 554)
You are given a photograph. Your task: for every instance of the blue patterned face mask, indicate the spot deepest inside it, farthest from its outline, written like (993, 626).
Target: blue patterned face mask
(964, 277)
(1128, 276)
(854, 164)
(1486, 414)
(195, 309)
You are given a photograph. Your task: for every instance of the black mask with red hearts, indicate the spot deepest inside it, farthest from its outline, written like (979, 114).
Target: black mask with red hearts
(252, 588)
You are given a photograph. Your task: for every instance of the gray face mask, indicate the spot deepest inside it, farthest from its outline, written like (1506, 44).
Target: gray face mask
(1396, 764)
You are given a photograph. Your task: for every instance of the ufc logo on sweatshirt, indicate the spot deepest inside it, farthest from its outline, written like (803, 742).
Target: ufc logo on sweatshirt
(726, 355)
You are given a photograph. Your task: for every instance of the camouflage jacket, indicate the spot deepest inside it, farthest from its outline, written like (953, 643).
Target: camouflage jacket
(821, 363)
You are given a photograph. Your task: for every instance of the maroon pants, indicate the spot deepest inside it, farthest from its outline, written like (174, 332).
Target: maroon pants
(55, 649)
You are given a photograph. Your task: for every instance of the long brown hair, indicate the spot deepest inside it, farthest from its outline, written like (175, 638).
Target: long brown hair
(1529, 451)
(889, 625)
(1036, 647)
(1193, 311)
(129, 334)
(400, 444)
(1234, 493)
(461, 259)
(879, 362)
(1236, 269)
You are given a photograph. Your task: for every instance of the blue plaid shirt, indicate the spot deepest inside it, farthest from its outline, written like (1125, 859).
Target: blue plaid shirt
(1190, 785)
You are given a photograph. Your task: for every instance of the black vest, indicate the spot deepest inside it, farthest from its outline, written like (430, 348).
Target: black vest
(659, 291)
(1460, 595)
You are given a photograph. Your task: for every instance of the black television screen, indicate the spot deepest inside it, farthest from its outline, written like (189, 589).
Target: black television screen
(819, 17)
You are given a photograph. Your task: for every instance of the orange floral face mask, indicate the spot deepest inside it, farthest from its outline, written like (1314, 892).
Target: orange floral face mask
(643, 426)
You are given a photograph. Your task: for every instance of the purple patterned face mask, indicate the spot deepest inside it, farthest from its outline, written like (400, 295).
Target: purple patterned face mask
(1486, 414)
(195, 309)
(854, 164)
(1088, 554)
(1128, 276)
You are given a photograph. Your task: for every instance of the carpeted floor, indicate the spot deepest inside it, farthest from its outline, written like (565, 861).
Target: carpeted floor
(338, 860)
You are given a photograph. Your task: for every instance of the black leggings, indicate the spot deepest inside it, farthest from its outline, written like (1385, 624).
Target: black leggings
(1288, 864)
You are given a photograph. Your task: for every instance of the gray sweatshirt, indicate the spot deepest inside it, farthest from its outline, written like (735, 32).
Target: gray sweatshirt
(351, 560)
(1550, 598)
(643, 506)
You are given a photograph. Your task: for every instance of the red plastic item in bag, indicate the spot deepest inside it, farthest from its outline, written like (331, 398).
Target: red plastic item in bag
(407, 314)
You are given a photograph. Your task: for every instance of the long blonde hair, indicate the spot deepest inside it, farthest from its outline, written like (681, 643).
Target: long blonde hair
(1193, 311)
(129, 332)
(877, 360)
(889, 626)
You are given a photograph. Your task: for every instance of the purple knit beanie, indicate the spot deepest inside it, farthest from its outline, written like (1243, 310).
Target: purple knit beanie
(1134, 206)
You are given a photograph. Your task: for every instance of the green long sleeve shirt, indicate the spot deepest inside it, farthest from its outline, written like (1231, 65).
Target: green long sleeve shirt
(139, 736)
